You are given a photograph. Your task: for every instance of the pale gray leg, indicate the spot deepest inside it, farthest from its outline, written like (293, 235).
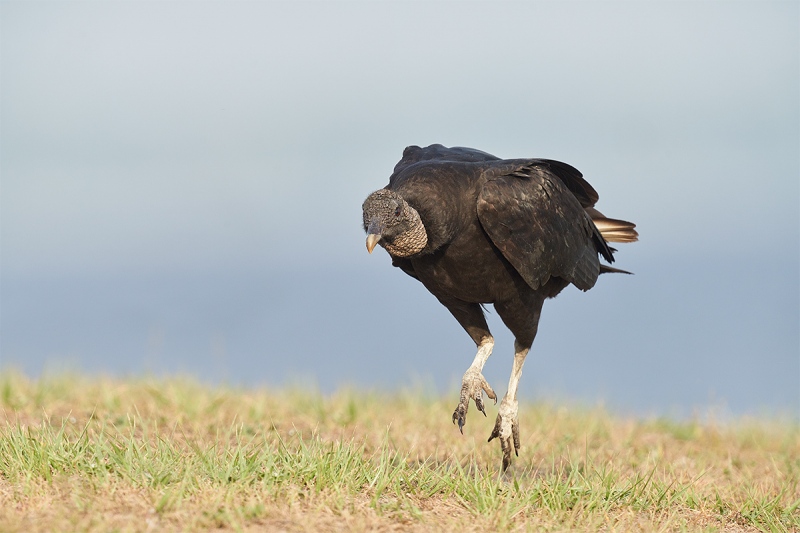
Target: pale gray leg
(506, 427)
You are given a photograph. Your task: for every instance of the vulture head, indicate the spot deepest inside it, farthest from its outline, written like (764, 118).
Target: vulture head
(390, 221)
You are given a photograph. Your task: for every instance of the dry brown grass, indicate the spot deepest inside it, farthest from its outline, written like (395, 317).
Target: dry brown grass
(171, 455)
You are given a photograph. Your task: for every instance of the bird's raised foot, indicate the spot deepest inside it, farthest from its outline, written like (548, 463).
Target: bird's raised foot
(472, 387)
(506, 428)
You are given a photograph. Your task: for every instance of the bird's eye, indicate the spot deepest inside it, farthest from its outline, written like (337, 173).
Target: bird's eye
(397, 211)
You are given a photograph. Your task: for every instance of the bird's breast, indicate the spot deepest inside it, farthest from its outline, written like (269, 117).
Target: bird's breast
(470, 269)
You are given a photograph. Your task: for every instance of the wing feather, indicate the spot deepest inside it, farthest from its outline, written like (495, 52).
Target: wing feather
(539, 225)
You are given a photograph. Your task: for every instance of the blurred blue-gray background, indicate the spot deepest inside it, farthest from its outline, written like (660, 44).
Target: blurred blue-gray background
(182, 185)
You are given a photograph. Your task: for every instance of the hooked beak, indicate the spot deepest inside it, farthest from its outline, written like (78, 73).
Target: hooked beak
(372, 240)
(374, 231)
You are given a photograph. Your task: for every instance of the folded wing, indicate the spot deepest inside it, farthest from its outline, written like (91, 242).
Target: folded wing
(540, 225)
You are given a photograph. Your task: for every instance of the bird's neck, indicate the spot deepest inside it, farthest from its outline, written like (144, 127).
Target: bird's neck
(410, 242)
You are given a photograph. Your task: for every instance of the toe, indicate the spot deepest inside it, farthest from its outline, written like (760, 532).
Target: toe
(505, 444)
(479, 405)
(488, 389)
(496, 431)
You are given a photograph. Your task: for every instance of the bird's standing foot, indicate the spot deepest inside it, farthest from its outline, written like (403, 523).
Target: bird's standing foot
(472, 387)
(506, 428)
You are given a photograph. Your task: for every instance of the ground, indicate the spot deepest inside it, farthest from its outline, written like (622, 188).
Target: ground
(102, 454)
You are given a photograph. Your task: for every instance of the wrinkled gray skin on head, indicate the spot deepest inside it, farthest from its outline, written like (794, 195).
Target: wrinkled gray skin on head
(392, 223)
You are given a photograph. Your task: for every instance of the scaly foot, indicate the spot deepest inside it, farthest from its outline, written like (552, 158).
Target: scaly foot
(472, 387)
(506, 428)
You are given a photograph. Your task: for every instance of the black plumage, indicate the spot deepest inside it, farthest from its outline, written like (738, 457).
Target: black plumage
(476, 229)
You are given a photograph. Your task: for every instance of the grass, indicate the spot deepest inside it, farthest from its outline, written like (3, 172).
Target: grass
(81, 454)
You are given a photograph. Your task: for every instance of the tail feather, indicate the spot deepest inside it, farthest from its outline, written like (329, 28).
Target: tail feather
(605, 269)
(612, 229)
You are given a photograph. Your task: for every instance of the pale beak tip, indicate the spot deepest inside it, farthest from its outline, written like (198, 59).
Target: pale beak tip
(372, 241)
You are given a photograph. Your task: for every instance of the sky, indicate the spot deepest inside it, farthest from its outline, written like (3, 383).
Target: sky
(181, 183)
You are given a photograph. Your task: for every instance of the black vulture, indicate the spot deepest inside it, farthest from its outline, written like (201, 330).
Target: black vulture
(475, 229)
